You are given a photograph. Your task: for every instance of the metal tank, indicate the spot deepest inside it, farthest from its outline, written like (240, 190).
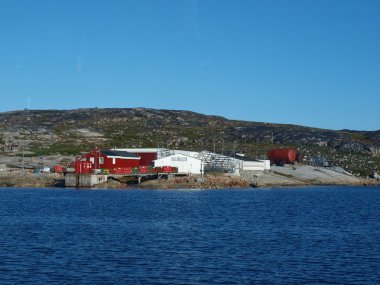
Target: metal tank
(281, 156)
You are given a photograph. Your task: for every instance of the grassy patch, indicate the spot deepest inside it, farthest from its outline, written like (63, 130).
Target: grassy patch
(64, 149)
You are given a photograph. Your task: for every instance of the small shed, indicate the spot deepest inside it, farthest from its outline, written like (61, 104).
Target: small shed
(184, 163)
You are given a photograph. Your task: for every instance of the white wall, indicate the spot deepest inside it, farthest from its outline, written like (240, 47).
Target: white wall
(266, 164)
(184, 163)
(260, 165)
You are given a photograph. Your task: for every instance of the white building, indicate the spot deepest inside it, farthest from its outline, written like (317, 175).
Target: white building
(257, 165)
(184, 163)
(207, 159)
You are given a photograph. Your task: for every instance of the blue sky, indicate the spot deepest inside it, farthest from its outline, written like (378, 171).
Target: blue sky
(307, 62)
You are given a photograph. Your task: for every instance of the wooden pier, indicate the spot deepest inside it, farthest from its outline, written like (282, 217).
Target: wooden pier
(91, 180)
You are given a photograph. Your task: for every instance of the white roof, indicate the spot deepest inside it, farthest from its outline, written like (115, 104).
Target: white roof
(178, 154)
(186, 152)
(140, 150)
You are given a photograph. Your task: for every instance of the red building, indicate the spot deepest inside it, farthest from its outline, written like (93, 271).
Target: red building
(147, 158)
(147, 155)
(111, 159)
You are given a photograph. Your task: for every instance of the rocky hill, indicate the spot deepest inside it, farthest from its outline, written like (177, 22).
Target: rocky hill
(43, 132)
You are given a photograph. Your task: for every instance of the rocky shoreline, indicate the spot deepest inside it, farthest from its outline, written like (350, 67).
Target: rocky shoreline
(300, 176)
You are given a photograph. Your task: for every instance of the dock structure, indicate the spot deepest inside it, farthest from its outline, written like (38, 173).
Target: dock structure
(84, 180)
(91, 180)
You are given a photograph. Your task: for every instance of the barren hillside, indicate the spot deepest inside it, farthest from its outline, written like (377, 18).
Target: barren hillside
(65, 132)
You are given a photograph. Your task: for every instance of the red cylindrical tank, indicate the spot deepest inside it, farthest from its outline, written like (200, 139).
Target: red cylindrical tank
(158, 169)
(143, 169)
(282, 155)
(122, 170)
(166, 169)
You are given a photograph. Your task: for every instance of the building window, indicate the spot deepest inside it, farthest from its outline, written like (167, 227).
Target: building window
(113, 160)
(92, 160)
(101, 160)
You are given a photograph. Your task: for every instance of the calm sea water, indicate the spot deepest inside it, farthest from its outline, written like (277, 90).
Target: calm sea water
(278, 236)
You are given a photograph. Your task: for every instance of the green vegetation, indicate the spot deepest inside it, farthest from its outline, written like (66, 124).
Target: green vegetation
(64, 149)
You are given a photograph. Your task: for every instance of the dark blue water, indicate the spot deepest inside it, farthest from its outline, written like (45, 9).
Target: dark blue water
(314, 235)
